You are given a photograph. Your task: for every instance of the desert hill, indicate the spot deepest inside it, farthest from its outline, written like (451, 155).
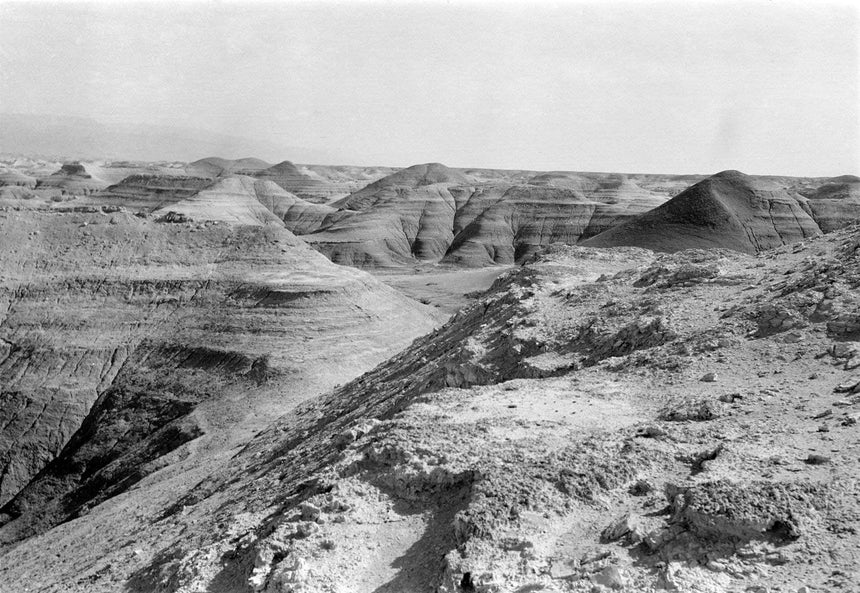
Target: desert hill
(302, 216)
(600, 419)
(133, 343)
(146, 193)
(217, 166)
(317, 184)
(73, 178)
(229, 199)
(303, 184)
(728, 210)
(434, 213)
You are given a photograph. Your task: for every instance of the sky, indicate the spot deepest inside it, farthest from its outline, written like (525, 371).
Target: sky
(653, 86)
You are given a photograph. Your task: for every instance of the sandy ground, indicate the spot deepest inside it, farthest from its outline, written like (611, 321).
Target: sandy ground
(447, 288)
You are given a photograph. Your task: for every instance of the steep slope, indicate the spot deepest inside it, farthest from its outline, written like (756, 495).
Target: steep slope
(681, 421)
(524, 219)
(299, 216)
(836, 203)
(729, 210)
(400, 218)
(433, 213)
(128, 345)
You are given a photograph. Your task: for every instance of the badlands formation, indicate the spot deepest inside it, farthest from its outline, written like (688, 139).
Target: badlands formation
(658, 391)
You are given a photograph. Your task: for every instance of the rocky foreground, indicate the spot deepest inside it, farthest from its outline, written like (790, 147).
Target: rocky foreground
(600, 420)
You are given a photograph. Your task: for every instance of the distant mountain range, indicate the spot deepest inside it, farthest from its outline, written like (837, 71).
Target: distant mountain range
(84, 138)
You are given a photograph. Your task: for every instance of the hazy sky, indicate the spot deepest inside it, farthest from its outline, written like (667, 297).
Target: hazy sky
(767, 87)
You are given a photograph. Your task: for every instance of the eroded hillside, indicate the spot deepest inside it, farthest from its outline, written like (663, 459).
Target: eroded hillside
(123, 337)
(600, 419)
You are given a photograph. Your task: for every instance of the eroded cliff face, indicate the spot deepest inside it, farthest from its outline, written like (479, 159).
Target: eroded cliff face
(122, 337)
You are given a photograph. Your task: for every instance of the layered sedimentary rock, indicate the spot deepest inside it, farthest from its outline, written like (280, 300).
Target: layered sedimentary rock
(433, 213)
(304, 185)
(16, 178)
(73, 178)
(836, 203)
(299, 216)
(218, 167)
(313, 183)
(122, 338)
(403, 217)
(729, 210)
(599, 419)
(151, 192)
(522, 219)
(229, 199)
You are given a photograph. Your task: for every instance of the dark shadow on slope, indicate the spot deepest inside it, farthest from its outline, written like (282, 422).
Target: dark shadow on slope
(421, 566)
(142, 416)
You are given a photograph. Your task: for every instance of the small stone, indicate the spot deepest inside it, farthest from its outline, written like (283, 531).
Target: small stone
(628, 524)
(328, 544)
(716, 566)
(641, 488)
(793, 338)
(850, 386)
(709, 377)
(310, 512)
(816, 459)
(306, 528)
(652, 432)
(564, 568)
(611, 577)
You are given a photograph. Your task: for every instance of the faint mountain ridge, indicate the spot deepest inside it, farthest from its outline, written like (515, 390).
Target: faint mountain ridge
(76, 137)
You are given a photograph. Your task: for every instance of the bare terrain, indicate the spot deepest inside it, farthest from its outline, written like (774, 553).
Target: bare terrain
(552, 381)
